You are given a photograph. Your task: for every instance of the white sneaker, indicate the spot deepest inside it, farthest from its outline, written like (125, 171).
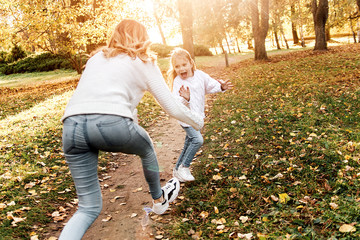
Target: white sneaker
(170, 192)
(160, 208)
(171, 189)
(184, 174)
(177, 175)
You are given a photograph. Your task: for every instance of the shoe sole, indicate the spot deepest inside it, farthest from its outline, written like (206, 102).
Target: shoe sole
(175, 191)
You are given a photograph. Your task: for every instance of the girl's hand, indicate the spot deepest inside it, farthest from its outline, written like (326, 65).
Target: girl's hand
(225, 85)
(185, 92)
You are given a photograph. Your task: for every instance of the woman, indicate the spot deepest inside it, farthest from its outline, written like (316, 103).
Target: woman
(99, 117)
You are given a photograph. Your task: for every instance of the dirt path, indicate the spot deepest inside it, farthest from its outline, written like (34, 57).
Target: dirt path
(125, 192)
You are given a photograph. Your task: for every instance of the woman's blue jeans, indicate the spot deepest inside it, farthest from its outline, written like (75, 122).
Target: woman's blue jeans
(193, 142)
(83, 137)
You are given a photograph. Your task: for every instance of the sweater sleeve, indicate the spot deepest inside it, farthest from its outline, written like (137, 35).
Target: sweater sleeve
(211, 85)
(158, 88)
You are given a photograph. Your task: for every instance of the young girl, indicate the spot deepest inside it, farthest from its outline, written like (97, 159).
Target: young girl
(99, 117)
(191, 86)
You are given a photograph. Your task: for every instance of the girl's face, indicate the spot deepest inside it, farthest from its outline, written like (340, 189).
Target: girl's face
(183, 67)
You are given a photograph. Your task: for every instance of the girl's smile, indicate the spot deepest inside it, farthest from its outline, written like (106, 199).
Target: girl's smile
(183, 68)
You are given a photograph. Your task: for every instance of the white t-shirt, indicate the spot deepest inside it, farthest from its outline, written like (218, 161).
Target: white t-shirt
(116, 85)
(200, 84)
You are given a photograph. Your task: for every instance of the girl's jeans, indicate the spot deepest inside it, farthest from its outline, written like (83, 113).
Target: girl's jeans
(83, 137)
(193, 142)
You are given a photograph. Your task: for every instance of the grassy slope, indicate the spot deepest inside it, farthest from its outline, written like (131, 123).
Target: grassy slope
(281, 153)
(293, 116)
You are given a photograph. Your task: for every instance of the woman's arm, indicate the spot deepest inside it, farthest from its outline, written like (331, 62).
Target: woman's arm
(158, 88)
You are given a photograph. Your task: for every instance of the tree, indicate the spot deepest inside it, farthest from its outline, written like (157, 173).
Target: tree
(293, 24)
(260, 26)
(66, 28)
(320, 11)
(186, 23)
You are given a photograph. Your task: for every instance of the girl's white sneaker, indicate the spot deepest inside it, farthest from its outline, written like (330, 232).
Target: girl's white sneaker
(183, 174)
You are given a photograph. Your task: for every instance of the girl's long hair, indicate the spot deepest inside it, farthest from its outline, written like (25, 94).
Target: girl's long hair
(178, 53)
(129, 37)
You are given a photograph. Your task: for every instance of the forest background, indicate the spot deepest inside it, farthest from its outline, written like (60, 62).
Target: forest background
(287, 159)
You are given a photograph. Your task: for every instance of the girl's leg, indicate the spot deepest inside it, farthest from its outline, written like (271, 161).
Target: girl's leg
(181, 157)
(83, 163)
(195, 142)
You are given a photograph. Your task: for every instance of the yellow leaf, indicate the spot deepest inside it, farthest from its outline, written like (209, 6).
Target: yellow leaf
(233, 190)
(216, 210)
(217, 177)
(347, 228)
(204, 214)
(284, 198)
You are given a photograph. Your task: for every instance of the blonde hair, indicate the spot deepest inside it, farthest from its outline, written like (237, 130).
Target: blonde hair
(178, 53)
(129, 37)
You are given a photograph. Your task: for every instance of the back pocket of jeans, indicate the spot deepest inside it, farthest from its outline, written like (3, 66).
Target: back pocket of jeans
(115, 131)
(68, 135)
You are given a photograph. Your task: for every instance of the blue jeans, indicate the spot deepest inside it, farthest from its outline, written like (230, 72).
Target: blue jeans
(83, 137)
(193, 142)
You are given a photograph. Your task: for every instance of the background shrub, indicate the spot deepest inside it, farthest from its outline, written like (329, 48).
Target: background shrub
(3, 56)
(15, 54)
(38, 63)
(201, 50)
(161, 50)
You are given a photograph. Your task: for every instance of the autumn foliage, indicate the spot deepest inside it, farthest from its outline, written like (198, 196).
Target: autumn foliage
(280, 159)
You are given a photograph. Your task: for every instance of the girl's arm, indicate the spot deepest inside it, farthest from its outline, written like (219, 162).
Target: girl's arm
(178, 92)
(211, 85)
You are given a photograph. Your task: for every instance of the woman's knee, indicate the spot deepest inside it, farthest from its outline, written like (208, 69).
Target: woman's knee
(198, 140)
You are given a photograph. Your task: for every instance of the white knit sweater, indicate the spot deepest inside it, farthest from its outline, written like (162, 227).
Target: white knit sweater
(200, 84)
(116, 85)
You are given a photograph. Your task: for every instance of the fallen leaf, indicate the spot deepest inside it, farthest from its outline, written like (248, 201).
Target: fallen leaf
(347, 228)
(108, 218)
(243, 219)
(217, 177)
(204, 214)
(284, 198)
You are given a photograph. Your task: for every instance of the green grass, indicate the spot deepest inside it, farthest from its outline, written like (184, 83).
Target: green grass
(16, 80)
(281, 153)
(289, 127)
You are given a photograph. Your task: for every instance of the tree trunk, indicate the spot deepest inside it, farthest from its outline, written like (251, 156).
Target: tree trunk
(249, 44)
(222, 47)
(352, 30)
(227, 43)
(158, 23)
(293, 25)
(276, 40)
(358, 31)
(302, 37)
(327, 34)
(186, 23)
(320, 12)
(237, 45)
(260, 26)
(283, 34)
